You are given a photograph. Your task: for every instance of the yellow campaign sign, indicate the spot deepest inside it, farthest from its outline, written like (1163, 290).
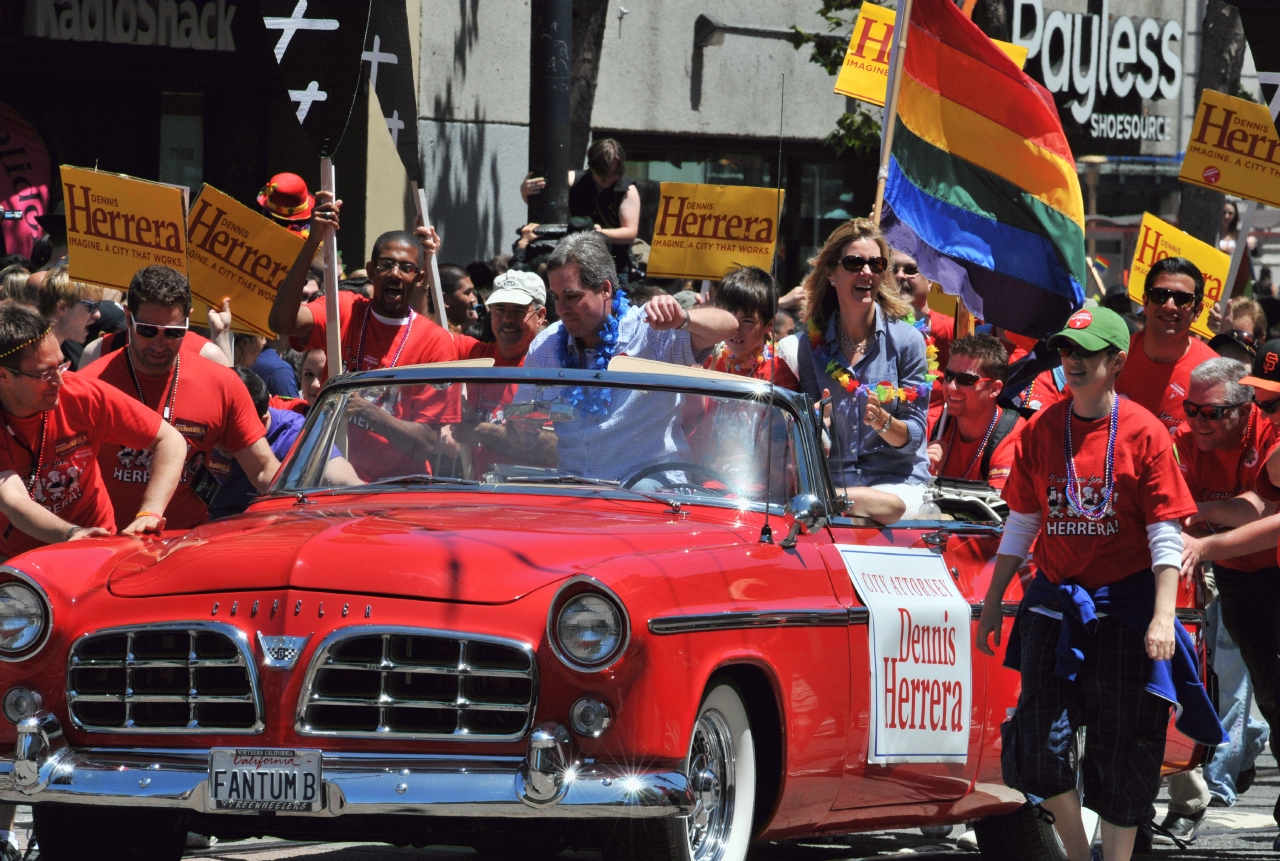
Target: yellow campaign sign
(236, 253)
(1158, 239)
(118, 224)
(703, 231)
(1234, 149)
(864, 75)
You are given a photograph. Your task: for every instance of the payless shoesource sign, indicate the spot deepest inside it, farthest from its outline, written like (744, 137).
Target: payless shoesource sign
(236, 253)
(118, 224)
(703, 231)
(1158, 239)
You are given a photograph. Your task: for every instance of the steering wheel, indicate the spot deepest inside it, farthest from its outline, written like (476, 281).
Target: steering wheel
(692, 470)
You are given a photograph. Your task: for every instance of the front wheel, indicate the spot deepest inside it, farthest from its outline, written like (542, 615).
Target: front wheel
(721, 768)
(74, 832)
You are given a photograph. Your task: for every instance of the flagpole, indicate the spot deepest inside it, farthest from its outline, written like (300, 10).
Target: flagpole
(433, 271)
(1245, 210)
(901, 26)
(333, 326)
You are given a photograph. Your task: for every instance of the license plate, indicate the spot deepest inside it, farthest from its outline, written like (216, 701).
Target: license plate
(257, 778)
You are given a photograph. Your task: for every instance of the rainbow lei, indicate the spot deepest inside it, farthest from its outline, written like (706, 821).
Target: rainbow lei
(884, 391)
(597, 400)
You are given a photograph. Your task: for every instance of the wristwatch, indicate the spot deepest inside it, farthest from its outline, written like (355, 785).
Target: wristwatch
(685, 324)
(884, 427)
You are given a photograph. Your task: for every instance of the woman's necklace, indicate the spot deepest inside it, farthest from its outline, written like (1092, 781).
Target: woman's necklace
(951, 438)
(849, 346)
(354, 364)
(1103, 507)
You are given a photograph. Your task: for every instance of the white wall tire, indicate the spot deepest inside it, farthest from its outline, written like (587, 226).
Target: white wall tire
(721, 767)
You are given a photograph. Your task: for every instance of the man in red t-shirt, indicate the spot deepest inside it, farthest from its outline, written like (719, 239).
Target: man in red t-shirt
(1161, 357)
(379, 332)
(1099, 491)
(207, 403)
(915, 289)
(975, 440)
(55, 422)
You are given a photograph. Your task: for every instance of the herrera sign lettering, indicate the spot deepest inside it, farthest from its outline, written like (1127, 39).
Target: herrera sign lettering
(703, 231)
(1158, 239)
(1234, 149)
(236, 253)
(118, 224)
(918, 641)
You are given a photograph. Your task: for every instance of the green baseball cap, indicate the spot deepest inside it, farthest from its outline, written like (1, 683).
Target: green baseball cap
(1093, 329)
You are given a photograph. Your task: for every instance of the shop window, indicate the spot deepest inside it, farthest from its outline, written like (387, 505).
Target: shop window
(182, 139)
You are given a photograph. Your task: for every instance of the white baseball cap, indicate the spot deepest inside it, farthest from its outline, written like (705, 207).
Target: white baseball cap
(517, 288)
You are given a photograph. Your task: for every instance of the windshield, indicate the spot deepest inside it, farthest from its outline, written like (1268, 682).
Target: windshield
(685, 446)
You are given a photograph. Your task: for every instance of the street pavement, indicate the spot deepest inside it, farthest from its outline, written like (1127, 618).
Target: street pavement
(1243, 832)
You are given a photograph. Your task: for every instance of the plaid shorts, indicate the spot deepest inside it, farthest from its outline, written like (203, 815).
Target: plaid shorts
(1124, 744)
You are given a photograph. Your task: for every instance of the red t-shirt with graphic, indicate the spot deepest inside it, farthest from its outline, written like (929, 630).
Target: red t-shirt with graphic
(89, 416)
(1227, 473)
(417, 340)
(211, 407)
(961, 459)
(1161, 388)
(1148, 489)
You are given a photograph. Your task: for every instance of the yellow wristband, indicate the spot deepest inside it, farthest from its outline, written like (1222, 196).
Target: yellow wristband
(141, 514)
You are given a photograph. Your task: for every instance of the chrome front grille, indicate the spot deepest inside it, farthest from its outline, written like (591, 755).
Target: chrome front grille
(184, 677)
(417, 683)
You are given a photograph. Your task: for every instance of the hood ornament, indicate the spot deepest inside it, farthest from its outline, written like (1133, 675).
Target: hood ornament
(281, 652)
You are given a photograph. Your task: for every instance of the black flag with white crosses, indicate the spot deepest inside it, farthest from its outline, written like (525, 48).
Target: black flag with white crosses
(1261, 20)
(318, 44)
(388, 63)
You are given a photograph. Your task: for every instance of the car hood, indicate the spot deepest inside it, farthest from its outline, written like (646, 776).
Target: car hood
(479, 554)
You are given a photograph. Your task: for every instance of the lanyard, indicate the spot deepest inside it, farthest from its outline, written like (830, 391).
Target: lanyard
(364, 328)
(171, 401)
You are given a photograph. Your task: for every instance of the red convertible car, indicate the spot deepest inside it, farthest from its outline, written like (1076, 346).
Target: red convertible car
(559, 609)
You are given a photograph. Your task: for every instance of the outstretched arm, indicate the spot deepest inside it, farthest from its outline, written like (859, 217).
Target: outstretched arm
(288, 315)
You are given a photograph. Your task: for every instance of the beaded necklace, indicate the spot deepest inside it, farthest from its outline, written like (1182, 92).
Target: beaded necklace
(595, 401)
(951, 438)
(751, 368)
(354, 363)
(169, 403)
(38, 458)
(1103, 507)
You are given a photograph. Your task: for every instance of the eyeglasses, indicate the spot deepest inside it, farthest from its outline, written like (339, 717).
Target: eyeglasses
(91, 304)
(1076, 350)
(1161, 295)
(148, 331)
(51, 375)
(906, 269)
(1213, 412)
(960, 378)
(853, 263)
(1268, 407)
(386, 264)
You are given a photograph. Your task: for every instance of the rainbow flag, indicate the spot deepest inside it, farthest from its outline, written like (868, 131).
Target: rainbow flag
(982, 187)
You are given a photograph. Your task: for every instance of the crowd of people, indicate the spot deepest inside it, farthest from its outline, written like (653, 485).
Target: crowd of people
(1147, 457)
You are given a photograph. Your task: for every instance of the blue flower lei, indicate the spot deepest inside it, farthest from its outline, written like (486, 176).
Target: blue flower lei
(596, 401)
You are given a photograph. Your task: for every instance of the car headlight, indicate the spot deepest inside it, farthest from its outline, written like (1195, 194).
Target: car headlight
(589, 627)
(23, 619)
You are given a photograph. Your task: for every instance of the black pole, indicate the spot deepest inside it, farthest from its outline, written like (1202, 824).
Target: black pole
(549, 125)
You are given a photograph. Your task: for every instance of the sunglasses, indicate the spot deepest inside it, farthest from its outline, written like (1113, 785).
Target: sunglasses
(1268, 407)
(1161, 295)
(47, 376)
(960, 378)
(91, 304)
(148, 331)
(852, 263)
(907, 269)
(386, 264)
(1076, 350)
(1212, 412)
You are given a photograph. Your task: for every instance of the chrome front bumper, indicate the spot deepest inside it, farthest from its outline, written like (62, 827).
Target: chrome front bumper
(546, 783)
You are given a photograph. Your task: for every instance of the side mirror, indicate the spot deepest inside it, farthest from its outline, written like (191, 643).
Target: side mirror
(809, 513)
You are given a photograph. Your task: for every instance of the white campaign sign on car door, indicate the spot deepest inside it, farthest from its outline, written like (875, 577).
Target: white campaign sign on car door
(921, 676)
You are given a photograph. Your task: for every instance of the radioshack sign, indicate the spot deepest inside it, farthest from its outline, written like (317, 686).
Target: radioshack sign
(200, 26)
(1116, 75)
(918, 642)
